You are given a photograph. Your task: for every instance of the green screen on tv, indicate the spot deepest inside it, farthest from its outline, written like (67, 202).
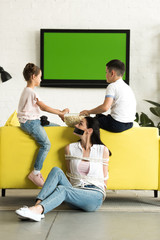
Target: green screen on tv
(77, 58)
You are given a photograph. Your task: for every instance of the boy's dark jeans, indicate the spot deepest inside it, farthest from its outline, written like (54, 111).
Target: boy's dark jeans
(112, 125)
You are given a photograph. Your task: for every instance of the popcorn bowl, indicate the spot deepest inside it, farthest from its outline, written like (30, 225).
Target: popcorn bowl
(71, 119)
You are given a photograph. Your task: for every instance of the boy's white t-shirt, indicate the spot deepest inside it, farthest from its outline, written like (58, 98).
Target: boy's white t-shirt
(123, 108)
(27, 108)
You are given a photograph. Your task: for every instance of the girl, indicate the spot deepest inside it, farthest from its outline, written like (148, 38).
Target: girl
(87, 169)
(29, 117)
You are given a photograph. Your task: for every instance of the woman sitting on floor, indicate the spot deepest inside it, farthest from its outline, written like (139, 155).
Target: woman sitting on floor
(87, 171)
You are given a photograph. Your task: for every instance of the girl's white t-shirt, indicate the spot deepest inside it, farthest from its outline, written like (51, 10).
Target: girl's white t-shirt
(27, 108)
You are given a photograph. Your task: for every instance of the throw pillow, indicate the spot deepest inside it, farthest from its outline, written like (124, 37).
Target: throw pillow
(13, 120)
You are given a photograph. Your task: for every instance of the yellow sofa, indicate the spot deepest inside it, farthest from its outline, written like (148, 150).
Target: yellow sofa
(134, 163)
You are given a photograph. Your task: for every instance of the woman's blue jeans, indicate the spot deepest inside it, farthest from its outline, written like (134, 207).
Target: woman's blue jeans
(34, 128)
(58, 189)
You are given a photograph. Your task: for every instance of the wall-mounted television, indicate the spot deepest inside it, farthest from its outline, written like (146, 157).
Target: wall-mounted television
(77, 58)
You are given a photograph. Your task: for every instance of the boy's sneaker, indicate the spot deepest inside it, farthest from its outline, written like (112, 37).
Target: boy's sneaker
(36, 179)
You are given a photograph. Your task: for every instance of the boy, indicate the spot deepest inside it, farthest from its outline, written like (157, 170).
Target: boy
(119, 99)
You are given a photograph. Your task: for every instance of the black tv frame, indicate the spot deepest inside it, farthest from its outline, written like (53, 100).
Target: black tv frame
(81, 83)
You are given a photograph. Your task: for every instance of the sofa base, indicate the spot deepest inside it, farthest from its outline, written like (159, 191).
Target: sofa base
(4, 193)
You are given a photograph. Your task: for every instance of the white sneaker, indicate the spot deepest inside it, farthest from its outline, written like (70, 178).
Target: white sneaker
(23, 209)
(26, 213)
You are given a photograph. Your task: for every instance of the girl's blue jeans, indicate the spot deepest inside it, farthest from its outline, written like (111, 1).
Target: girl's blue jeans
(58, 189)
(34, 128)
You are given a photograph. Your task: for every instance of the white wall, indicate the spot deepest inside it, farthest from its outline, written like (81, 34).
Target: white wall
(20, 24)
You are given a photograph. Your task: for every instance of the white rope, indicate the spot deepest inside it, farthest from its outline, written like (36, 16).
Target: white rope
(81, 177)
(82, 185)
(103, 161)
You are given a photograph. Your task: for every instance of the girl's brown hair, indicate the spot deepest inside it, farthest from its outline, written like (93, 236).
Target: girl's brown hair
(30, 70)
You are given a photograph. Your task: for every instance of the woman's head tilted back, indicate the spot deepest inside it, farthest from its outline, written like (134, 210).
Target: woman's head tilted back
(89, 125)
(30, 70)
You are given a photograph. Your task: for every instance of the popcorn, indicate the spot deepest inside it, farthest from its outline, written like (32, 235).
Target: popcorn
(71, 119)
